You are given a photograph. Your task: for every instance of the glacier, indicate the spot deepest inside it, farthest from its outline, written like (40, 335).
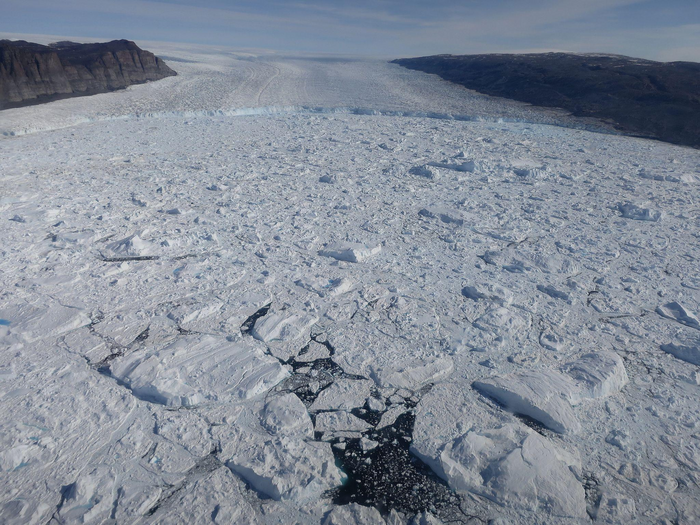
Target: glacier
(311, 289)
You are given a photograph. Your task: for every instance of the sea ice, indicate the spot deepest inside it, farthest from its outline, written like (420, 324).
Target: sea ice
(287, 415)
(283, 467)
(543, 396)
(199, 369)
(515, 468)
(680, 313)
(634, 211)
(350, 252)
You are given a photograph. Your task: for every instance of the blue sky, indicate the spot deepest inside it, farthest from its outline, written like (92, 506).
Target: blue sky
(656, 29)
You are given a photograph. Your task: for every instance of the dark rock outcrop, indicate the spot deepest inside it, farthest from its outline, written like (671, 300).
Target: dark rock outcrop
(640, 97)
(33, 73)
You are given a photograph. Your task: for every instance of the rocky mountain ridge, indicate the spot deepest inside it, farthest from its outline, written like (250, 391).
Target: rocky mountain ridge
(658, 100)
(33, 73)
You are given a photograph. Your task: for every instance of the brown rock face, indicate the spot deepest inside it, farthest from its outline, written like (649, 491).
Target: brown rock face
(33, 73)
(651, 99)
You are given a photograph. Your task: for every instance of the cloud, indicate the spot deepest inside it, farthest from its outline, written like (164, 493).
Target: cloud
(374, 27)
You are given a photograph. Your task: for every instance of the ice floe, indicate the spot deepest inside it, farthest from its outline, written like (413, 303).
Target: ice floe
(199, 369)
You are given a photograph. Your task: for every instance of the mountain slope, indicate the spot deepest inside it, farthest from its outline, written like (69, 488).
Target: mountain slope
(32, 73)
(642, 97)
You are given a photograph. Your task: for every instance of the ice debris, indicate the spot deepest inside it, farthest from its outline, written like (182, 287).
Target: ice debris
(133, 245)
(350, 252)
(282, 467)
(548, 395)
(197, 369)
(516, 468)
(678, 312)
(639, 213)
(287, 415)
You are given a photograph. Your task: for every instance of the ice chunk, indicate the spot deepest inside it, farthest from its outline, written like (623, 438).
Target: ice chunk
(283, 326)
(639, 213)
(131, 246)
(368, 444)
(554, 293)
(616, 508)
(502, 320)
(343, 394)
(284, 467)
(686, 350)
(443, 214)
(516, 468)
(32, 323)
(339, 421)
(543, 396)
(219, 497)
(325, 287)
(464, 167)
(186, 429)
(197, 316)
(489, 292)
(90, 497)
(423, 171)
(412, 375)
(349, 252)
(426, 518)
(548, 396)
(287, 415)
(597, 374)
(551, 340)
(678, 312)
(443, 414)
(123, 328)
(353, 514)
(197, 369)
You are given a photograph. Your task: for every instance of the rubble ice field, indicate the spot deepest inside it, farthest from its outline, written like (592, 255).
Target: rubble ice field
(314, 290)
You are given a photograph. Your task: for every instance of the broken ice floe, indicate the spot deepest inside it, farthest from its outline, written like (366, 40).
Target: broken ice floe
(199, 369)
(282, 329)
(131, 246)
(287, 415)
(639, 213)
(424, 171)
(353, 514)
(414, 374)
(596, 374)
(477, 452)
(517, 468)
(542, 396)
(325, 287)
(549, 396)
(685, 346)
(457, 164)
(219, 495)
(529, 169)
(489, 292)
(677, 312)
(32, 323)
(445, 215)
(340, 421)
(122, 328)
(281, 467)
(282, 326)
(350, 252)
(343, 394)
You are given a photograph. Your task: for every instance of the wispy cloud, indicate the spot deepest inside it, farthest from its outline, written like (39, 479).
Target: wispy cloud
(379, 27)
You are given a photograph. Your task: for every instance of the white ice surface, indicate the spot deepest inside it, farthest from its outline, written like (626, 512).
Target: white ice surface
(166, 252)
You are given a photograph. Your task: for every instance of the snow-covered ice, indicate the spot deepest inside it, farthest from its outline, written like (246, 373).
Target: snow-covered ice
(308, 289)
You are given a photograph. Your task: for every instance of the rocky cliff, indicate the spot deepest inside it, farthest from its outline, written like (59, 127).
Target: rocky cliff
(32, 73)
(653, 99)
